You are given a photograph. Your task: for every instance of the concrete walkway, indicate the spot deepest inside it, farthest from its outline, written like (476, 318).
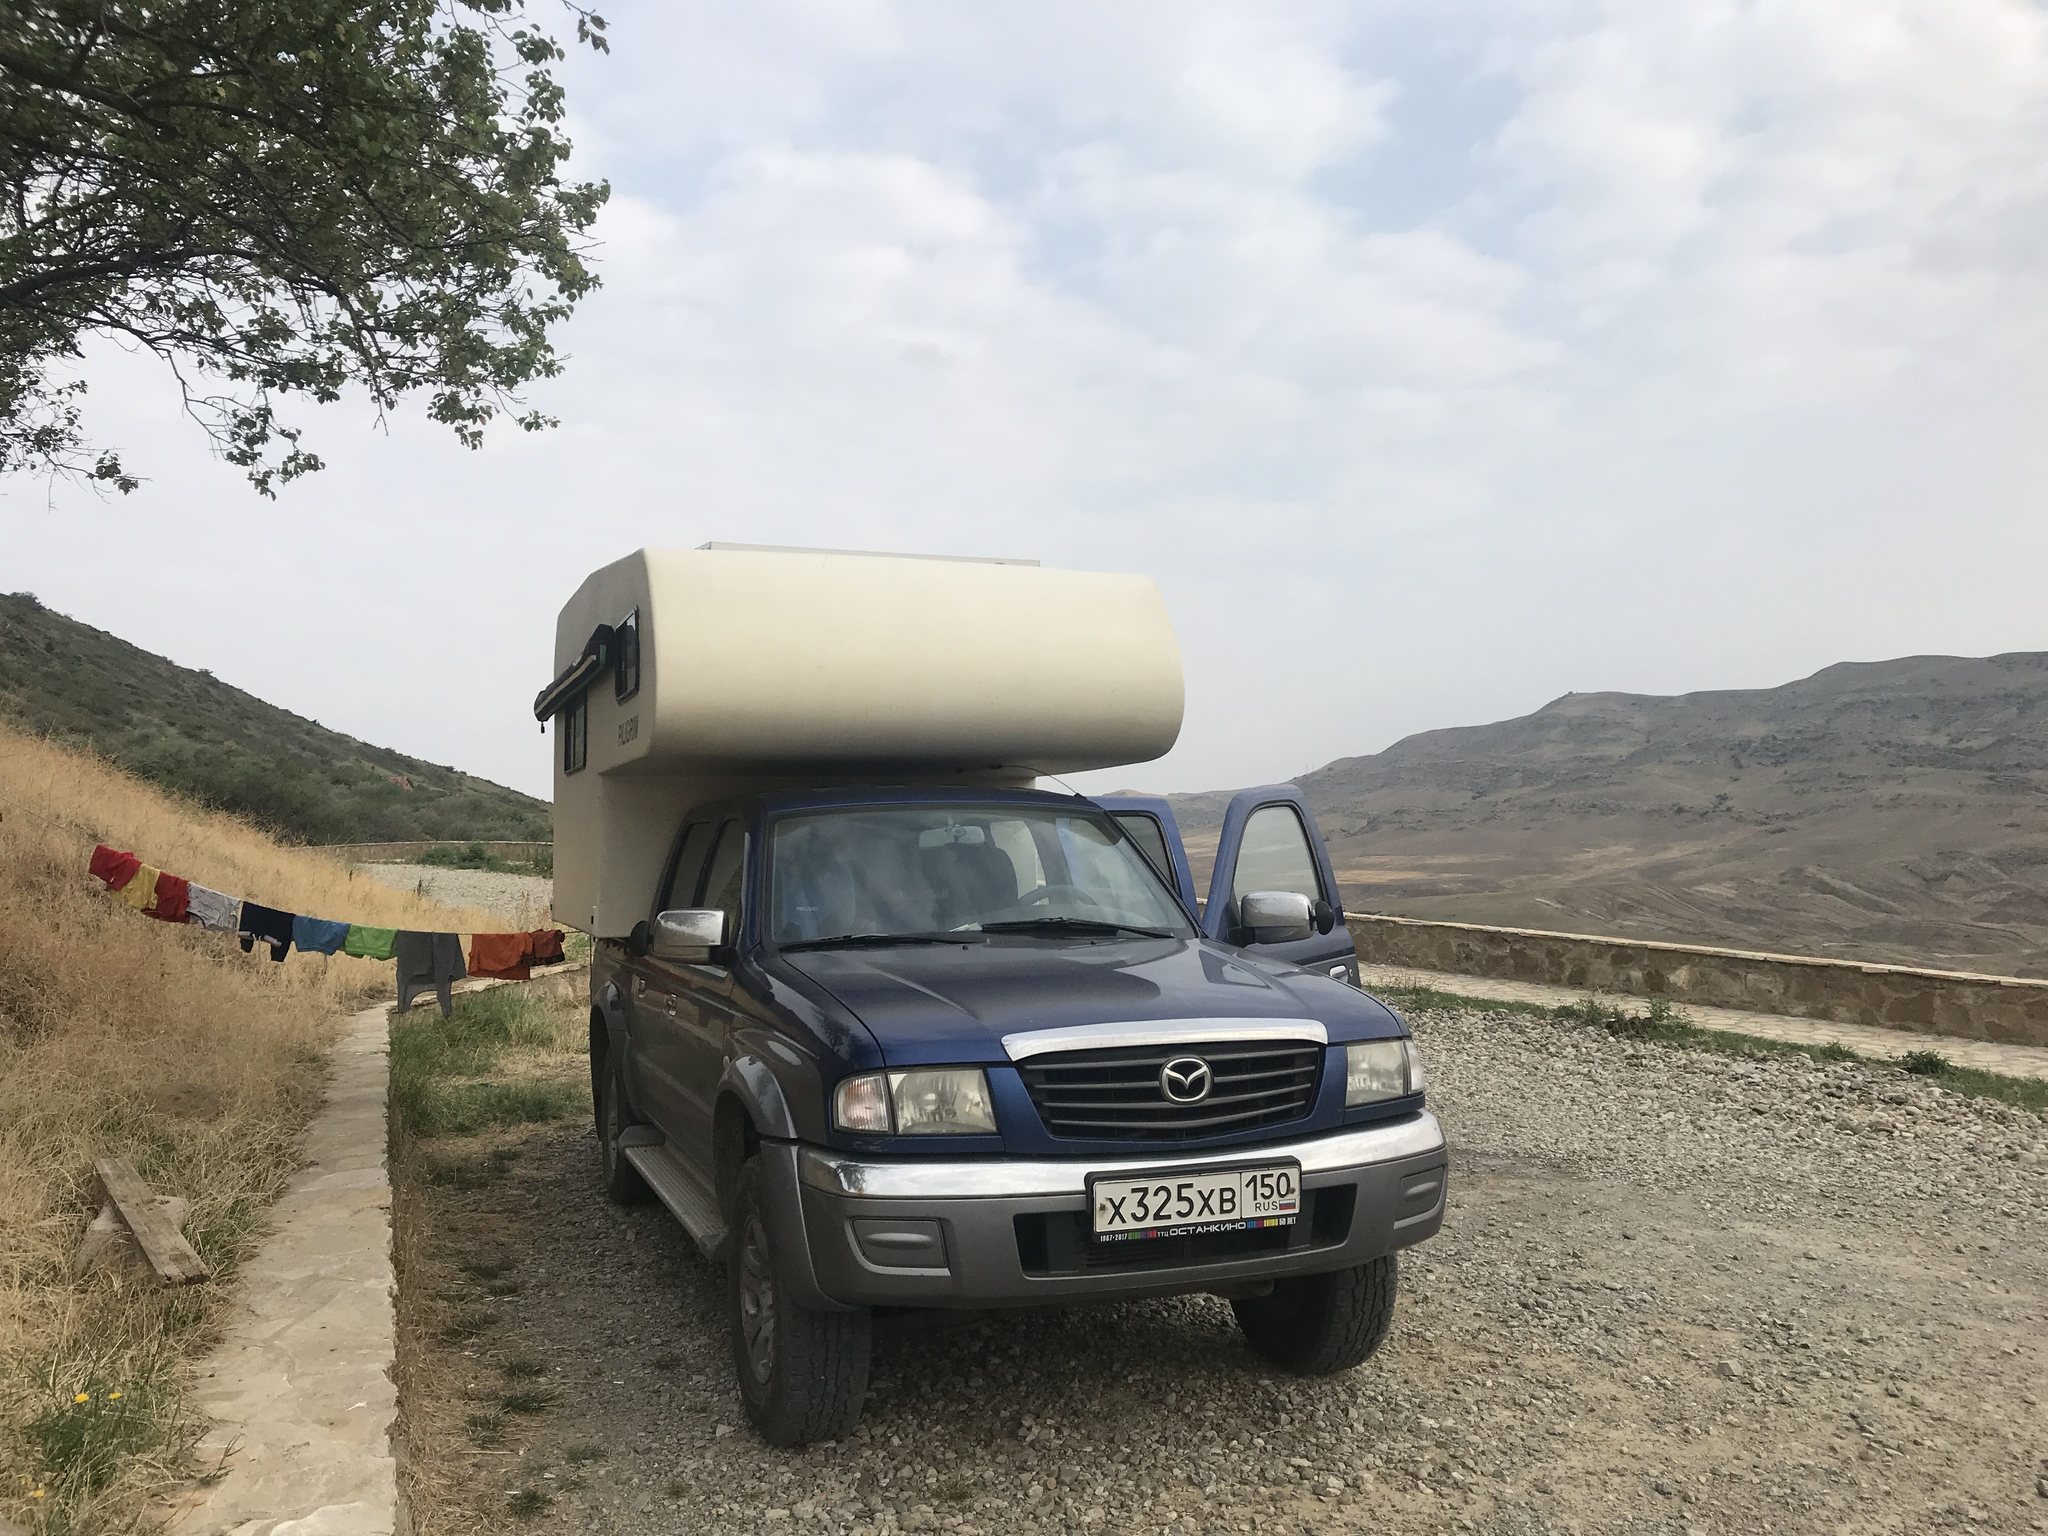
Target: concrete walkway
(2011, 1060)
(300, 1389)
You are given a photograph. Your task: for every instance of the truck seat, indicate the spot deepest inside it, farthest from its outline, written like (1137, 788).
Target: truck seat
(973, 882)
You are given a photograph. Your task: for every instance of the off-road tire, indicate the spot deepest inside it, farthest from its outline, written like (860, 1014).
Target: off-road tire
(622, 1181)
(810, 1380)
(1317, 1325)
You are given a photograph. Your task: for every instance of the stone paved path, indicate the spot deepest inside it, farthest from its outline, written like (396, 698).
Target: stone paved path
(300, 1390)
(2012, 1060)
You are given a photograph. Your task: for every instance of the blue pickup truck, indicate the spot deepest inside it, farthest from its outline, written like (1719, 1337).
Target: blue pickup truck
(934, 1047)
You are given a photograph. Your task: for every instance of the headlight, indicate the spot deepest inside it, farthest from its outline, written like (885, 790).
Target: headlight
(1380, 1069)
(926, 1101)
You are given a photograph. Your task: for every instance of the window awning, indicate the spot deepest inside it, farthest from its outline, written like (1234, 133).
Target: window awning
(597, 655)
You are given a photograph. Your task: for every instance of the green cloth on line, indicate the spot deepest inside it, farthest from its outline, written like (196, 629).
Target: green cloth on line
(369, 943)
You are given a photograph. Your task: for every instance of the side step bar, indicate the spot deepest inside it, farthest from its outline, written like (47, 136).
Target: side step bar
(677, 1186)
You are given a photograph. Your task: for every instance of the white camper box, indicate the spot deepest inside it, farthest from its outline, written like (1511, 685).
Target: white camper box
(686, 675)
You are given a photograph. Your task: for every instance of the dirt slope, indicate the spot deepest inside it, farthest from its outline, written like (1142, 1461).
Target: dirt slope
(1893, 810)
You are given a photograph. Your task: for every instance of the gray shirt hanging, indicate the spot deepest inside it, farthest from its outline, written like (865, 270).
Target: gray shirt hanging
(427, 960)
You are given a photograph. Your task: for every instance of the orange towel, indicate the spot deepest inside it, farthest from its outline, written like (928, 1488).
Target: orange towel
(500, 954)
(544, 946)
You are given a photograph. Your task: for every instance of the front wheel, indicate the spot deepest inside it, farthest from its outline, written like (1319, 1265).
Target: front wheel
(803, 1373)
(1316, 1325)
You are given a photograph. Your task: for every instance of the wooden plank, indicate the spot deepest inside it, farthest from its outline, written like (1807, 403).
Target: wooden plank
(161, 1242)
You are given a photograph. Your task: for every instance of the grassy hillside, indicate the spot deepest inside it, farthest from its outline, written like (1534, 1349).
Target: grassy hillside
(1884, 811)
(191, 732)
(166, 1045)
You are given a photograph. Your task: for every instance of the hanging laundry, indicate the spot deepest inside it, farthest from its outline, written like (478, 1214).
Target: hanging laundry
(140, 891)
(369, 943)
(213, 910)
(173, 893)
(503, 955)
(114, 866)
(318, 935)
(544, 947)
(268, 924)
(428, 960)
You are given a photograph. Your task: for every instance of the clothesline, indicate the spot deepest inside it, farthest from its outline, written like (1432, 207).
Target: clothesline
(425, 959)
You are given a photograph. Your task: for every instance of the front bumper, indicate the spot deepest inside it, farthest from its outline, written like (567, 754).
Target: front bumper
(1004, 1232)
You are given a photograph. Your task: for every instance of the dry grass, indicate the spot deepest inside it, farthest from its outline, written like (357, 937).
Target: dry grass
(470, 1384)
(124, 1036)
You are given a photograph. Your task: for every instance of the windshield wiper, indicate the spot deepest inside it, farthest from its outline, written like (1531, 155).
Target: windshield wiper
(1074, 925)
(879, 940)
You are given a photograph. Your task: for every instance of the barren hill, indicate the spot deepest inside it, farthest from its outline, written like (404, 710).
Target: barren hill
(1893, 810)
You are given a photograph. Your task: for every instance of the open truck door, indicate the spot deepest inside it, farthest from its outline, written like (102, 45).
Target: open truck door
(1273, 891)
(1148, 821)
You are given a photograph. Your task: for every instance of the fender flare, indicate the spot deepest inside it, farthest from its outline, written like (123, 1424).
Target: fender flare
(748, 1079)
(606, 1006)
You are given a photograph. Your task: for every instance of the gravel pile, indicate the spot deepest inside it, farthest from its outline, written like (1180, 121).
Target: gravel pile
(1676, 1292)
(524, 899)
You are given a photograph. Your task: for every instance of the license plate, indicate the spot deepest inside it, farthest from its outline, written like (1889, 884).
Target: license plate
(1177, 1204)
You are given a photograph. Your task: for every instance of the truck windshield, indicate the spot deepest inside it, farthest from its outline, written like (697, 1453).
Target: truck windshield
(881, 871)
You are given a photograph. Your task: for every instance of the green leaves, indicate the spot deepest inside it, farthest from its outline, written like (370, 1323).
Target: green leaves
(283, 197)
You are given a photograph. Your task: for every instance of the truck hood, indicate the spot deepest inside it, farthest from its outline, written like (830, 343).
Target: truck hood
(933, 1004)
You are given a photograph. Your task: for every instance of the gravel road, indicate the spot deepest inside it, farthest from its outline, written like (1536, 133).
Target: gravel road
(523, 898)
(1676, 1292)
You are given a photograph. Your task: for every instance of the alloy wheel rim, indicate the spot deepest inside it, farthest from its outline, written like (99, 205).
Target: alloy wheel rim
(757, 1302)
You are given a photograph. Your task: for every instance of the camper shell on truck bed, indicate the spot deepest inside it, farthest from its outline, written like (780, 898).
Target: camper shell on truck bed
(885, 1025)
(725, 669)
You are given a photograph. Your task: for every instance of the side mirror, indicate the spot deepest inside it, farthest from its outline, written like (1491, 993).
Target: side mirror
(1324, 914)
(1276, 917)
(688, 936)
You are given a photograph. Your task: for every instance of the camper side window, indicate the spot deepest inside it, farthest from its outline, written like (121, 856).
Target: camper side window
(575, 733)
(626, 674)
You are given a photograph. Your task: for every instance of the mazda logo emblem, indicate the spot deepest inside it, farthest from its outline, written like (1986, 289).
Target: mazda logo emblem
(1186, 1080)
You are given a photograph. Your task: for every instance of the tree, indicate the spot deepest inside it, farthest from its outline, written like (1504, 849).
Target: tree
(282, 197)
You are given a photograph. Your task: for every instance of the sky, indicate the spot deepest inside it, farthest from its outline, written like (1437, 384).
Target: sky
(1435, 360)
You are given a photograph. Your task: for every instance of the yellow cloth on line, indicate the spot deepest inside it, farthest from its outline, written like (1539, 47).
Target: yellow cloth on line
(140, 893)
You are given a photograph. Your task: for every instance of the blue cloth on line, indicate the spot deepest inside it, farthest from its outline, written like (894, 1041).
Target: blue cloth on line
(318, 935)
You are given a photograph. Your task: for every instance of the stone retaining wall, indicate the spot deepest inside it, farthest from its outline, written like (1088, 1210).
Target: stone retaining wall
(512, 852)
(2010, 1010)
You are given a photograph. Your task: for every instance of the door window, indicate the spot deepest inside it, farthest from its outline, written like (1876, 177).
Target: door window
(1145, 831)
(722, 879)
(1274, 856)
(682, 885)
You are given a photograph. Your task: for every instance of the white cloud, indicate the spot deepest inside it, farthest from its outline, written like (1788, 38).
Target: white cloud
(1713, 365)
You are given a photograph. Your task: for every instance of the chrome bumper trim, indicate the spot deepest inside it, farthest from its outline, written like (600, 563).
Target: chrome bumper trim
(1028, 1043)
(922, 1180)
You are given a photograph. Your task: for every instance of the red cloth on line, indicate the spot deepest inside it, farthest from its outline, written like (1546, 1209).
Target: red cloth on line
(173, 897)
(113, 866)
(544, 947)
(503, 955)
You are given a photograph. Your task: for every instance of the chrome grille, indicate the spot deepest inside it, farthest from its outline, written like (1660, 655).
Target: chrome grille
(1115, 1094)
